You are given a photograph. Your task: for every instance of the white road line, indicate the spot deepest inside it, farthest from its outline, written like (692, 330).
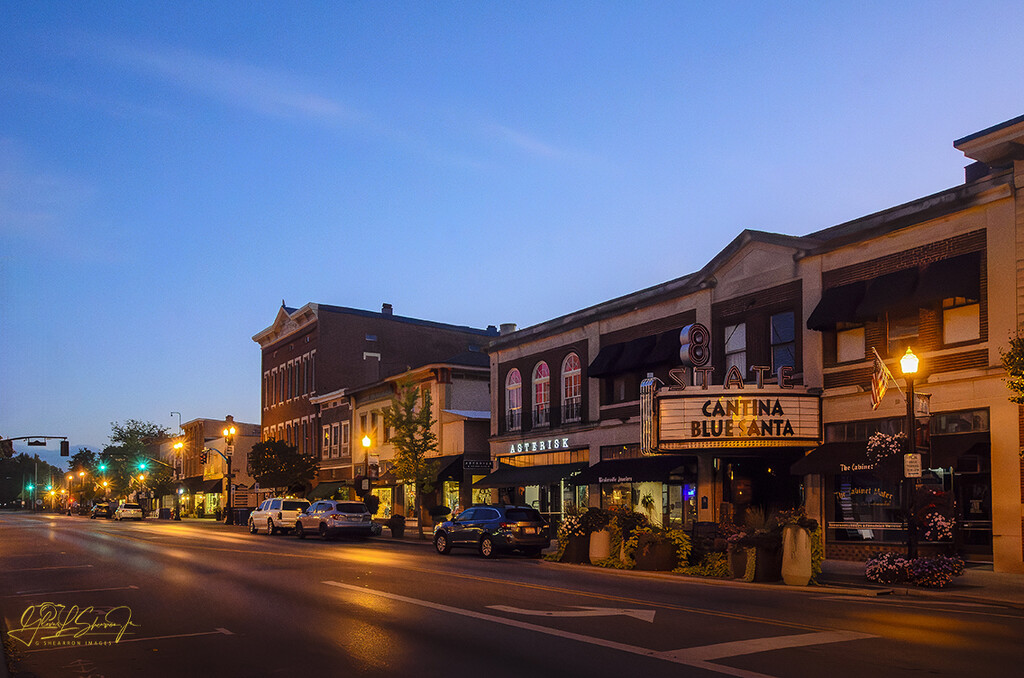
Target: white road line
(582, 611)
(216, 632)
(20, 594)
(55, 567)
(677, 656)
(755, 645)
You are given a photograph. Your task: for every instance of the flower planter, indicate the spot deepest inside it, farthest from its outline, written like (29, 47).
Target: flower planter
(796, 555)
(737, 557)
(600, 545)
(768, 564)
(655, 554)
(577, 550)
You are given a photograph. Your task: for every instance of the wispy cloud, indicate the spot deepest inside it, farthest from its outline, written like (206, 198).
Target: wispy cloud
(527, 143)
(266, 91)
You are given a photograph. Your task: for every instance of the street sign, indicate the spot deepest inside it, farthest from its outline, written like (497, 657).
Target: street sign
(911, 465)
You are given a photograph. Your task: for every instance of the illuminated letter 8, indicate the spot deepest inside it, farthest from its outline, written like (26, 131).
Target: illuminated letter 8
(700, 345)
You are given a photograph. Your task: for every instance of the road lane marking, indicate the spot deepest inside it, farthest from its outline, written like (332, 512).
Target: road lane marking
(216, 632)
(583, 611)
(688, 657)
(55, 567)
(937, 605)
(20, 594)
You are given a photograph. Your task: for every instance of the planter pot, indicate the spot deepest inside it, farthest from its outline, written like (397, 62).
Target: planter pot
(576, 551)
(796, 556)
(737, 556)
(600, 545)
(768, 564)
(397, 532)
(655, 555)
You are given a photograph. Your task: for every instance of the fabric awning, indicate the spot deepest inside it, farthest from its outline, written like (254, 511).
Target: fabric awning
(655, 468)
(212, 486)
(838, 304)
(449, 467)
(829, 457)
(666, 349)
(956, 277)
(193, 483)
(516, 476)
(634, 354)
(947, 448)
(325, 490)
(604, 363)
(891, 292)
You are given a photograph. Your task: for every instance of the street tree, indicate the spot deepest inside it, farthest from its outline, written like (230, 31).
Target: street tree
(1013, 362)
(413, 437)
(275, 463)
(20, 472)
(133, 446)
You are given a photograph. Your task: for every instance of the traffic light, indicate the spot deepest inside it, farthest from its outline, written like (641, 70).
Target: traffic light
(30, 487)
(142, 465)
(102, 467)
(204, 457)
(65, 449)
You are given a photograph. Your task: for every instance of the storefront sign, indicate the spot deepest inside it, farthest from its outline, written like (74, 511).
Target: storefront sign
(615, 479)
(724, 417)
(911, 465)
(547, 445)
(476, 464)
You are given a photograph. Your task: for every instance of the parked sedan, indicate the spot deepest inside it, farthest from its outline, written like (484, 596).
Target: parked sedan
(128, 512)
(330, 519)
(103, 509)
(492, 529)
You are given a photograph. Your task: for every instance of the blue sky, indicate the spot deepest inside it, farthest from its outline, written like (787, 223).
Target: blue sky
(169, 172)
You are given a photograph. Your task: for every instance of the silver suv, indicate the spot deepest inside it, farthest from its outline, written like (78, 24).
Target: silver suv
(277, 514)
(330, 518)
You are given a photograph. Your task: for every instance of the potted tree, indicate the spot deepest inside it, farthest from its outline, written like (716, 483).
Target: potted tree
(595, 522)
(797, 530)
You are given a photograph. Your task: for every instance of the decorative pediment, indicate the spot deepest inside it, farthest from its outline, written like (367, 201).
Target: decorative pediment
(287, 322)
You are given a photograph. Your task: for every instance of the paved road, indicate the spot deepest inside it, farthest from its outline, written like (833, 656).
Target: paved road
(183, 599)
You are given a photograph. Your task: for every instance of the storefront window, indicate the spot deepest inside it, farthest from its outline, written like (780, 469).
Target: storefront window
(385, 507)
(868, 506)
(410, 500)
(451, 497)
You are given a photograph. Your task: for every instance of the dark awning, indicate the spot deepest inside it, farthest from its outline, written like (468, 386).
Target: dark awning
(947, 448)
(449, 468)
(193, 483)
(666, 349)
(956, 277)
(325, 490)
(891, 292)
(838, 304)
(517, 476)
(604, 363)
(655, 468)
(829, 457)
(634, 354)
(212, 486)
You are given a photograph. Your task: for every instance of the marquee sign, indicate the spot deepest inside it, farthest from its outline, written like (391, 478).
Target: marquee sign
(721, 417)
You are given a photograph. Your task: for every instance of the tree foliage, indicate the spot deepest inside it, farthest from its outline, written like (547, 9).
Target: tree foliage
(409, 415)
(1013, 362)
(18, 471)
(275, 463)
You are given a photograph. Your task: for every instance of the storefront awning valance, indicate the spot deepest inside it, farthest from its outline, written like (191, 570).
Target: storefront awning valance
(449, 467)
(830, 457)
(522, 476)
(212, 486)
(655, 468)
(947, 448)
(634, 354)
(838, 304)
(325, 490)
(956, 277)
(604, 363)
(193, 483)
(890, 292)
(666, 349)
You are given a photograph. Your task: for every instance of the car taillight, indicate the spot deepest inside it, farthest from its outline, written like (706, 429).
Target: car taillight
(280, 516)
(506, 526)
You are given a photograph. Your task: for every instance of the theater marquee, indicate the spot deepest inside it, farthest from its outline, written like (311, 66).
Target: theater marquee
(730, 417)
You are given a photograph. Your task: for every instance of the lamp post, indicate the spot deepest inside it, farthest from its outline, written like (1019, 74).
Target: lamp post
(229, 442)
(365, 489)
(909, 364)
(178, 447)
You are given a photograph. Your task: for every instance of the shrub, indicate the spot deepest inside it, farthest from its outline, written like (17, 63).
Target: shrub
(927, 572)
(594, 519)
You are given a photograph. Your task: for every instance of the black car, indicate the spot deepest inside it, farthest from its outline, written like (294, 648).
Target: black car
(493, 529)
(102, 510)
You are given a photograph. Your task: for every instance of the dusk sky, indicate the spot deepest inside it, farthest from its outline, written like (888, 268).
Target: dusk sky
(169, 172)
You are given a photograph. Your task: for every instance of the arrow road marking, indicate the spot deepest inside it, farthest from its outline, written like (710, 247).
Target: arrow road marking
(583, 611)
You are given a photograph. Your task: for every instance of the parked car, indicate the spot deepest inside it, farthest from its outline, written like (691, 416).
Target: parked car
(277, 514)
(330, 518)
(493, 529)
(128, 511)
(103, 509)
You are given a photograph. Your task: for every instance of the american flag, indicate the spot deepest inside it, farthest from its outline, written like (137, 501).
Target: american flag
(879, 381)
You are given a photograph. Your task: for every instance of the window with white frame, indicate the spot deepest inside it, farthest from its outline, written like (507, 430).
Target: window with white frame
(344, 450)
(514, 400)
(736, 348)
(541, 394)
(335, 440)
(849, 342)
(572, 389)
(325, 448)
(961, 320)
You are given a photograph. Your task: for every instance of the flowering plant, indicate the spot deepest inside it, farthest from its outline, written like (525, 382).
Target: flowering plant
(882, 445)
(572, 526)
(938, 527)
(892, 568)
(887, 568)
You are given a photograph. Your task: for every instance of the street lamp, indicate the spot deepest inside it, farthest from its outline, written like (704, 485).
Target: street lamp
(178, 447)
(229, 442)
(909, 363)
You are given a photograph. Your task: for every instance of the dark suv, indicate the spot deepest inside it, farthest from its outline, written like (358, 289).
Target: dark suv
(491, 529)
(103, 509)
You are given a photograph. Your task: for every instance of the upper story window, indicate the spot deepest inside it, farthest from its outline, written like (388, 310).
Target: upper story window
(514, 400)
(572, 389)
(901, 331)
(849, 342)
(541, 394)
(783, 340)
(736, 348)
(961, 320)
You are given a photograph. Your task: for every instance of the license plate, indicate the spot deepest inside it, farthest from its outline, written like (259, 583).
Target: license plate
(529, 530)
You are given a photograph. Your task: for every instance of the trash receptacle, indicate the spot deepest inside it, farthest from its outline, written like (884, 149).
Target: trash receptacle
(165, 514)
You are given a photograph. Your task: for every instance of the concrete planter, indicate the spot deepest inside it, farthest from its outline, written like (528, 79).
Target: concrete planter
(796, 556)
(600, 545)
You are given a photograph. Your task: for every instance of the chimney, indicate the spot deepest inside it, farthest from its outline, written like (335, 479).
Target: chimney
(387, 309)
(507, 328)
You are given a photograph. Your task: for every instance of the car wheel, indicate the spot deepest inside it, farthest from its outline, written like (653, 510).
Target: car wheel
(270, 527)
(442, 544)
(299, 532)
(252, 527)
(323, 531)
(93, 517)
(487, 549)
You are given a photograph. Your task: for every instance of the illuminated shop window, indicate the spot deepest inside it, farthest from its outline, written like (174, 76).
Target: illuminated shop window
(572, 389)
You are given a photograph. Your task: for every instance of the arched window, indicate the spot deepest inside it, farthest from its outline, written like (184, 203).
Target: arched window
(572, 389)
(514, 401)
(541, 395)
